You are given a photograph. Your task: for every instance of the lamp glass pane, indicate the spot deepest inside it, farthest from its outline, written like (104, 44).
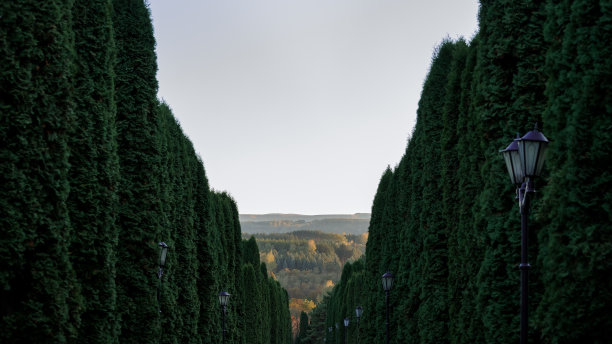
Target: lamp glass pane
(358, 311)
(516, 167)
(529, 153)
(513, 164)
(162, 260)
(346, 322)
(541, 158)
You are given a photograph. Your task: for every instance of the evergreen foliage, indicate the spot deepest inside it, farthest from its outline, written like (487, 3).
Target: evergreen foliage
(40, 297)
(138, 139)
(251, 299)
(303, 330)
(95, 172)
(575, 241)
(445, 221)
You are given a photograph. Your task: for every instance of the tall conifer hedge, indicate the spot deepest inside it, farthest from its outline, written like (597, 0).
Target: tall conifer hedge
(95, 172)
(450, 204)
(40, 297)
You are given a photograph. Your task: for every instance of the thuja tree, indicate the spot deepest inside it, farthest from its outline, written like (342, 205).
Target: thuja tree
(94, 171)
(575, 242)
(207, 286)
(40, 298)
(303, 329)
(318, 328)
(508, 98)
(251, 298)
(449, 160)
(465, 245)
(139, 157)
(432, 314)
(375, 267)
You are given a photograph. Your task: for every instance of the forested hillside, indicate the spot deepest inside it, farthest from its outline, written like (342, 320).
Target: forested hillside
(95, 172)
(307, 263)
(445, 220)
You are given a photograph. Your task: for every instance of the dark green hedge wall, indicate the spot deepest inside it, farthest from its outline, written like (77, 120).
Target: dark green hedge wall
(445, 220)
(95, 172)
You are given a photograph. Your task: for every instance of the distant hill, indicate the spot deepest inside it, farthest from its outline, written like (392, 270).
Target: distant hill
(284, 223)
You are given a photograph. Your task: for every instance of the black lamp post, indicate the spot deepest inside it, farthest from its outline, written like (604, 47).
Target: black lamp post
(346, 323)
(162, 262)
(358, 312)
(524, 160)
(387, 282)
(223, 300)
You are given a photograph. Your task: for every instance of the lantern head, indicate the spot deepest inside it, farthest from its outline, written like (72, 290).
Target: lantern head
(387, 281)
(224, 298)
(358, 311)
(532, 152)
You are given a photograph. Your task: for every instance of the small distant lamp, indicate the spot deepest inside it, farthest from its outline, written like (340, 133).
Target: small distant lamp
(223, 301)
(346, 323)
(387, 282)
(224, 298)
(358, 312)
(162, 262)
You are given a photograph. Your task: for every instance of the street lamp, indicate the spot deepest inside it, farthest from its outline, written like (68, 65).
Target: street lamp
(162, 262)
(223, 300)
(387, 282)
(358, 312)
(524, 159)
(346, 323)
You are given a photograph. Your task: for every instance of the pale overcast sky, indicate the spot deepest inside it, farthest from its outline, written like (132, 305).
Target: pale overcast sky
(298, 106)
